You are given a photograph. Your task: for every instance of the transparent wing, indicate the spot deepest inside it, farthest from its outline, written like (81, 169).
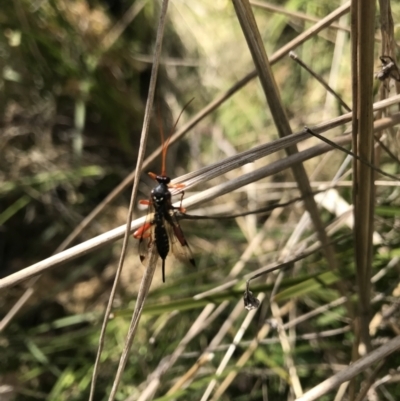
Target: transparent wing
(177, 241)
(178, 244)
(147, 235)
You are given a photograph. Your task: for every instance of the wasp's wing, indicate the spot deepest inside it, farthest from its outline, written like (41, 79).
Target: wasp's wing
(179, 246)
(146, 236)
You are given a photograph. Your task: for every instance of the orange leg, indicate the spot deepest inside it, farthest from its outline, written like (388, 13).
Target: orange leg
(180, 208)
(179, 186)
(141, 231)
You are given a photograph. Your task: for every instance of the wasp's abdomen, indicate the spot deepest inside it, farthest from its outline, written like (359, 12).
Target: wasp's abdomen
(161, 237)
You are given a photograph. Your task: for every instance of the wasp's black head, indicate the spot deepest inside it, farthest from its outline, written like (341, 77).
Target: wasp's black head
(163, 179)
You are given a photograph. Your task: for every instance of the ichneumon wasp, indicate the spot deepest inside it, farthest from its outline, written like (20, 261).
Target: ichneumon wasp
(162, 228)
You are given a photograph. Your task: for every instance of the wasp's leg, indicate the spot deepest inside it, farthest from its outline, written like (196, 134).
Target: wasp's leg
(141, 231)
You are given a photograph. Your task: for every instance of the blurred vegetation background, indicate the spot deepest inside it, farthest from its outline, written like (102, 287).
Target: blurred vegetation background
(74, 81)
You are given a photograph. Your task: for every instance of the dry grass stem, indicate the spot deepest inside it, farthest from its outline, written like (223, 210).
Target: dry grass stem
(116, 31)
(218, 338)
(141, 298)
(319, 78)
(353, 370)
(364, 201)
(256, 46)
(293, 14)
(146, 281)
(262, 333)
(287, 352)
(196, 328)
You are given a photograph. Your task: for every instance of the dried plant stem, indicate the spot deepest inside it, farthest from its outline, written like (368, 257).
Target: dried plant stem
(217, 340)
(190, 374)
(352, 154)
(364, 179)
(117, 30)
(319, 78)
(142, 294)
(262, 333)
(293, 14)
(350, 372)
(223, 166)
(149, 274)
(256, 46)
(203, 320)
(287, 351)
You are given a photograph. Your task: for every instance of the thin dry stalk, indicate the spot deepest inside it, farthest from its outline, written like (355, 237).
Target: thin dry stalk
(354, 87)
(239, 308)
(353, 370)
(369, 382)
(190, 374)
(137, 313)
(319, 78)
(218, 338)
(256, 46)
(293, 14)
(364, 180)
(262, 333)
(236, 341)
(353, 155)
(146, 281)
(226, 382)
(117, 30)
(341, 392)
(287, 351)
(197, 327)
(338, 54)
(323, 23)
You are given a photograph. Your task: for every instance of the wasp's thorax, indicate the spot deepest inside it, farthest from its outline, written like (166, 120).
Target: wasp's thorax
(161, 192)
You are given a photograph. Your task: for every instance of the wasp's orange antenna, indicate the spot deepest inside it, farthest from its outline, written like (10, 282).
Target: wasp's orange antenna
(160, 124)
(165, 145)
